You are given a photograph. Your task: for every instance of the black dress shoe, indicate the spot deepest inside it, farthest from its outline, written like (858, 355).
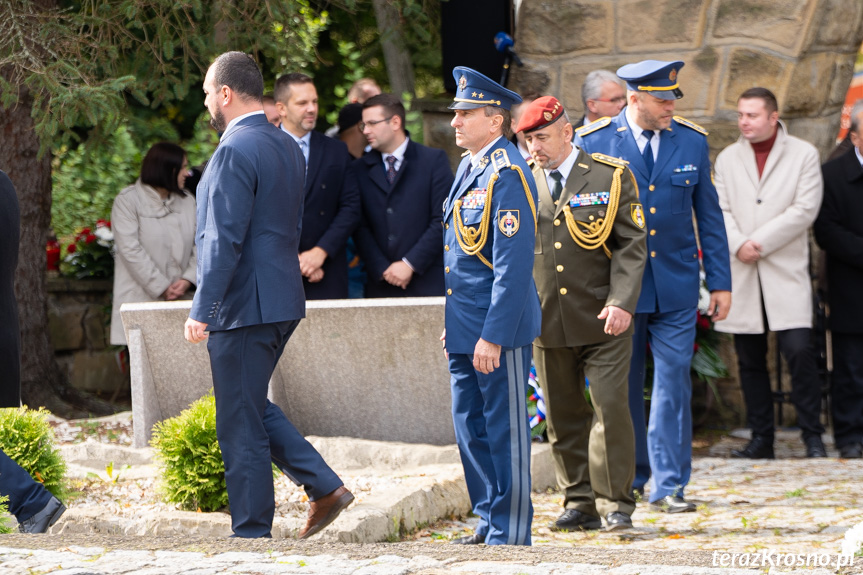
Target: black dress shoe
(474, 539)
(760, 447)
(851, 451)
(43, 519)
(672, 504)
(814, 446)
(573, 520)
(617, 520)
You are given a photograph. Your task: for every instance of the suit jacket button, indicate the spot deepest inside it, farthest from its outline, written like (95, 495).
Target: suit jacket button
(652, 210)
(446, 248)
(758, 201)
(651, 187)
(389, 210)
(560, 268)
(562, 291)
(557, 222)
(652, 232)
(449, 292)
(653, 254)
(323, 186)
(446, 269)
(323, 212)
(557, 245)
(446, 226)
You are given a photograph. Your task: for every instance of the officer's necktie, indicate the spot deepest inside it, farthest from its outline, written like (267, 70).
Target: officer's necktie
(557, 189)
(391, 169)
(647, 154)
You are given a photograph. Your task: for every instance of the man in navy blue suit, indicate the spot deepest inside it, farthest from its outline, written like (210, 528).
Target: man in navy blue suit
(250, 299)
(402, 186)
(31, 504)
(669, 157)
(332, 202)
(492, 309)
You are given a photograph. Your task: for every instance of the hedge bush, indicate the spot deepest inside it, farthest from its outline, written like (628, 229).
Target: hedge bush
(27, 438)
(193, 473)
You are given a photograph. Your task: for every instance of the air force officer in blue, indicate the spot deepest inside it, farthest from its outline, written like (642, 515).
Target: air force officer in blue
(492, 309)
(250, 298)
(669, 157)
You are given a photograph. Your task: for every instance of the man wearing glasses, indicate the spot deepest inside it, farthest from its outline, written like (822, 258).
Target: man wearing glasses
(603, 95)
(402, 187)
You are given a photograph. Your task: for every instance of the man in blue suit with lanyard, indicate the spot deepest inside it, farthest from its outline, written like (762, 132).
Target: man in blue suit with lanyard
(492, 309)
(669, 157)
(250, 299)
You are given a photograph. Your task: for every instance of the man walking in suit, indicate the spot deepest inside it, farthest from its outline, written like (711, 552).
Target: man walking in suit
(32, 505)
(492, 310)
(669, 157)
(332, 203)
(839, 231)
(769, 186)
(402, 186)
(250, 299)
(589, 258)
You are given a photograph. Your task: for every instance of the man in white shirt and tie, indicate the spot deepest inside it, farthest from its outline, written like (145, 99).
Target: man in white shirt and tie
(331, 205)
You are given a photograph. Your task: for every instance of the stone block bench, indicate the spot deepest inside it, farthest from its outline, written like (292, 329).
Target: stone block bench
(369, 369)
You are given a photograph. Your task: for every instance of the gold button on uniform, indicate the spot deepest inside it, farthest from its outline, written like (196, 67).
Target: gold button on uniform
(651, 187)
(562, 291)
(687, 181)
(653, 254)
(557, 222)
(446, 226)
(446, 248)
(449, 292)
(652, 232)
(446, 269)
(557, 245)
(652, 210)
(559, 268)
(590, 218)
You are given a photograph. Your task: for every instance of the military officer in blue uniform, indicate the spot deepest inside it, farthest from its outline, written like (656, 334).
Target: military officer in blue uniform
(669, 157)
(492, 309)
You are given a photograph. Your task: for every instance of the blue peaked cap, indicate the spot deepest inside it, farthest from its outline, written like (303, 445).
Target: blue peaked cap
(475, 91)
(655, 77)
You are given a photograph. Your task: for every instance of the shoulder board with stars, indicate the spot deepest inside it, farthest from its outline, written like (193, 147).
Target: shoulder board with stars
(610, 160)
(691, 125)
(499, 159)
(593, 126)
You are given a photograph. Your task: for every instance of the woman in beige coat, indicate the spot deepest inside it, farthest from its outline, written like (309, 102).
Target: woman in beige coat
(153, 222)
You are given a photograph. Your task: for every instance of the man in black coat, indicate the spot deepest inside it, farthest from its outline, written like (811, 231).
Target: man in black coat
(31, 504)
(331, 208)
(839, 231)
(402, 188)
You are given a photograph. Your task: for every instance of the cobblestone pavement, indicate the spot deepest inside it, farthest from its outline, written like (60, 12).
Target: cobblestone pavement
(782, 516)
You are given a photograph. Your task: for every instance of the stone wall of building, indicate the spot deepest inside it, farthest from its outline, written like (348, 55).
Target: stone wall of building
(79, 316)
(803, 50)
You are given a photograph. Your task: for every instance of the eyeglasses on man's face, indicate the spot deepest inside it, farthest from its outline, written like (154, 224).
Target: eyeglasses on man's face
(373, 123)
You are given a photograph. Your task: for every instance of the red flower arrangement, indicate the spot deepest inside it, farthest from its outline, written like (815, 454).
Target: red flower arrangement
(91, 253)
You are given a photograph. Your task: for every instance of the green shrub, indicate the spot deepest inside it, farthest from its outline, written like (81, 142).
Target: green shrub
(27, 438)
(193, 474)
(4, 516)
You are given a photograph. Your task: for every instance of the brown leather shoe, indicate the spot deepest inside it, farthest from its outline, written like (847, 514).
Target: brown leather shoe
(324, 511)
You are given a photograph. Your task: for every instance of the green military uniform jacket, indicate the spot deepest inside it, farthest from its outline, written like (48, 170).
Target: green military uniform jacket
(575, 283)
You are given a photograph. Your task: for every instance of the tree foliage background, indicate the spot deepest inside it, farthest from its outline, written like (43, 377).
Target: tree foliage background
(93, 83)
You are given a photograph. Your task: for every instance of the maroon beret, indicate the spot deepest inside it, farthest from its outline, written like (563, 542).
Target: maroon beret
(540, 113)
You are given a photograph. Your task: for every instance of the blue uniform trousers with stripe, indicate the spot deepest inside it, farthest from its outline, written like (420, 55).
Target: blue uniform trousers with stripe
(493, 436)
(666, 447)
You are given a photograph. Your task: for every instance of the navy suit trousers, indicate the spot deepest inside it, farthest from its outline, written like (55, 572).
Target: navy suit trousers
(253, 432)
(26, 495)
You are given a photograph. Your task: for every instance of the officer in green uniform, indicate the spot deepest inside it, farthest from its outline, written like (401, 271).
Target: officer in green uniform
(589, 259)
